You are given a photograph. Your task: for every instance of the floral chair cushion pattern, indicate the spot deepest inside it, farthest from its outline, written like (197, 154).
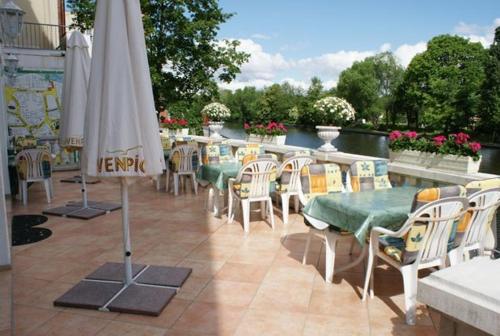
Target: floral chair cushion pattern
(405, 249)
(242, 188)
(175, 160)
(369, 175)
(216, 154)
(288, 155)
(255, 149)
(320, 179)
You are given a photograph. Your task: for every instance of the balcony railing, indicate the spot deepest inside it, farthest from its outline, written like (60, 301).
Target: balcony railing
(40, 36)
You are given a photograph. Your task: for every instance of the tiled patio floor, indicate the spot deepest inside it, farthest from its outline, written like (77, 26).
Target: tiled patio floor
(241, 285)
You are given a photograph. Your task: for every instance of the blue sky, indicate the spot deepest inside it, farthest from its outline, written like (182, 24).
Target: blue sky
(296, 39)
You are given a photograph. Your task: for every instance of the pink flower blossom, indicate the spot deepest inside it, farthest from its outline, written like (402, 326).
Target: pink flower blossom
(461, 138)
(439, 140)
(411, 134)
(475, 146)
(394, 135)
(246, 125)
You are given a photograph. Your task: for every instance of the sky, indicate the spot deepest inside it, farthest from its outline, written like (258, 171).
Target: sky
(294, 40)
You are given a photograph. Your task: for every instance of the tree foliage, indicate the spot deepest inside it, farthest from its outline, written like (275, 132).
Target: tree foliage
(440, 88)
(185, 57)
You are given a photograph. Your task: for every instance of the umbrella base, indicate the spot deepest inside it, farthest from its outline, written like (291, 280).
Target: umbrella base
(74, 211)
(108, 207)
(60, 211)
(151, 290)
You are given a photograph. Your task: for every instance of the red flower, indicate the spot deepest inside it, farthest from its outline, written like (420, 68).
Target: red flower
(182, 122)
(439, 140)
(475, 146)
(394, 135)
(461, 138)
(246, 125)
(411, 134)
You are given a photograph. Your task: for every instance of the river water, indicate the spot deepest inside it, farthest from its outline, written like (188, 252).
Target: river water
(359, 143)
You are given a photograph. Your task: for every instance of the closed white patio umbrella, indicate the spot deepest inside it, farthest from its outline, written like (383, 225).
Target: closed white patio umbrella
(121, 130)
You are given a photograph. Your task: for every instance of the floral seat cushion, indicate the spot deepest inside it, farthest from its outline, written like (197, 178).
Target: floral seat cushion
(216, 154)
(369, 175)
(249, 149)
(405, 249)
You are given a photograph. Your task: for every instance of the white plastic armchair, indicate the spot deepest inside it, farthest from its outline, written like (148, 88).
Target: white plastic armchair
(483, 205)
(181, 159)
(439, 217)
(289, 173)
(34, 165)
(253, 182)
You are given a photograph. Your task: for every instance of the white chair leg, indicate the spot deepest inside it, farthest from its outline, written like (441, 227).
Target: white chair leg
(25, 192)
(176, 184)
(331, 244)
(230, 213)
(158, 178)
(167, 182)
(455, 256)
(46, 184)
(271, 211)
(285, 198)
(245, 206)
(308, 243)
(296, 203)
(51, 188)
(410, 287)
(210, 200)
(369, 274)
(195, 183)
(263, 209)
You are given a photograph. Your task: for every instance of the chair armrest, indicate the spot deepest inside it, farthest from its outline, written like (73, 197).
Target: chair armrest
(230, 185)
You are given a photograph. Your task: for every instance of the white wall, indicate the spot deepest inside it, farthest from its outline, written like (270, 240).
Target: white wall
(4, 230)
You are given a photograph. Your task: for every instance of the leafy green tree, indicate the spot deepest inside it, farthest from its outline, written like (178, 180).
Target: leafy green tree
(489, 108)
(274, 105)
(440, 89)
(185, 57)
(242, 103)
(308, 116)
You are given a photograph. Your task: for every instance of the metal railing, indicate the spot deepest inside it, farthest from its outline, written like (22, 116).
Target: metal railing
(40, 36)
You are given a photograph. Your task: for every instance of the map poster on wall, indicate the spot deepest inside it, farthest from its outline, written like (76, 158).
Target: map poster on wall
(34, 108)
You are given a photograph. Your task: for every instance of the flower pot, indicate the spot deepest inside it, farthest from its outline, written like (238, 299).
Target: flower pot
(181, 132)
(328, 134)
(267, 139)
(215, 127)
(450, 163)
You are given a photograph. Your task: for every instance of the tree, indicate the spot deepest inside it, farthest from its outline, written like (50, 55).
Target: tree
(369, 85)
(440, 89)
(185, 57)
(274, 105)
(489, 108)
(315, 92)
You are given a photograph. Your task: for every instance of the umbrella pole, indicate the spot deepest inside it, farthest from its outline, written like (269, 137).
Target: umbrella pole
(84, 185)
(126, 232)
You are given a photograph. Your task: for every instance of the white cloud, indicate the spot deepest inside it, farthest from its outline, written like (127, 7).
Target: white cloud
(405, 53)
(259, 36)
(477, 33)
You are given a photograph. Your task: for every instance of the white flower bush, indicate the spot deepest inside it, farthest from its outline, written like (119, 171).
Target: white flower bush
(334, 110)
(216, 112)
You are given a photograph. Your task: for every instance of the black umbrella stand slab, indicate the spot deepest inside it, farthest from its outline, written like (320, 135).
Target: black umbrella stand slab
(150, 291)
(74, 211)
(78, 179)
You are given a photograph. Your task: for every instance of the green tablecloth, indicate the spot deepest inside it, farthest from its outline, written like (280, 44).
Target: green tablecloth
(219, 174)
(358, 212)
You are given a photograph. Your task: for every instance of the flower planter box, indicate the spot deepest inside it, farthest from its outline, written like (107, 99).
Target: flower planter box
(274, 140)
(453, 163)
(177, 132)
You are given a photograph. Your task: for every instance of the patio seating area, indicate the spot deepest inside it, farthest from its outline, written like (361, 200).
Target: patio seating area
(242, 284)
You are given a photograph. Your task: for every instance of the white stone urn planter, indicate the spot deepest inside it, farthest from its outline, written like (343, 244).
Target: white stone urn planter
(274, 140)
(215, 127)
(328, 134)
(452, 163)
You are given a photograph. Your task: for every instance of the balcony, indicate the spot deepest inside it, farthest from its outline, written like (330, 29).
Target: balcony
(40, 36)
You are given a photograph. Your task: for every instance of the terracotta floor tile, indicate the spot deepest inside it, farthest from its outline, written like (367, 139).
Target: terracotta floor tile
(282, 297)
(230, 293)
(271, 323)
(242, 272)
(253, 257)
(210, 318)
(70, 324)
(128, 329)
(300, 275)
(192, 287)
(28, 318)
(201, 268)
(329, 324)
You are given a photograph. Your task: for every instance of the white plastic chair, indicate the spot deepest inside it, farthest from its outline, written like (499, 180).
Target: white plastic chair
(30, 168)
(254, 180)
(290, 170)
(439, 217)
(483, 205)
(318, 227)
(181, 159)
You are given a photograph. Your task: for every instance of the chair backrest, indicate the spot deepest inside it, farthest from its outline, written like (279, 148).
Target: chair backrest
(250, 157)
(33, 164)
(289, 172)
(368, 175)
(248, 149)
(217, 153)
(254, 178)
(413, 239)
(433, 224)
(484, 204)
(184, 158)
(320, 179)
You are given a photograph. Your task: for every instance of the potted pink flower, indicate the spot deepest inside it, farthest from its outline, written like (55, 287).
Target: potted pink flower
(175, 127)
(454, 152)
(272, 133)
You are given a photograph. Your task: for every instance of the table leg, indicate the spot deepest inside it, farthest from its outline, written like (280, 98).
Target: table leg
(331, 242)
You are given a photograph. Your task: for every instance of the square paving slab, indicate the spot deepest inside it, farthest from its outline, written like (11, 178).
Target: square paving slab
(86, 213)
(141, 299)
(106, 206)
(113, 272)
(164, 276)
(88, 294)
(60, 211)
